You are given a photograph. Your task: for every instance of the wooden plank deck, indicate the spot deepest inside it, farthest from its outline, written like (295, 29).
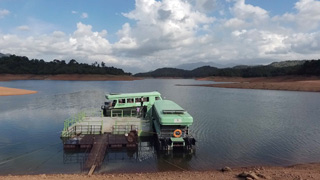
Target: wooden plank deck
(97, 152)
(99, 145)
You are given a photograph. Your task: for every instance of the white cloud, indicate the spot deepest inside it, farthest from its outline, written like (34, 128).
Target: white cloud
(23, 28)
(304, 43)
(161, 25)
(74, 12)
(244, 11)
(84, 15)
(172, 32)
(126, 41)
(307, 17)
(206, 5)
(4, 12)
(235, 23)
(84, 45)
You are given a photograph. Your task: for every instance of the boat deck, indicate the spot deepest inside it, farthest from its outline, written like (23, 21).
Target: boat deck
(99, 145)
(113, 125)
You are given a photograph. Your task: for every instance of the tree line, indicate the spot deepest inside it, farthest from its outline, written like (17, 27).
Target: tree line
(308, 68)
(13, 64)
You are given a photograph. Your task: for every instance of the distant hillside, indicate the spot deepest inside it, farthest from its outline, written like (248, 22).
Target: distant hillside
(164, 72)
(4, 55)
(311, 67)
(287, 63)
(191, 66)
(204, 71)
(13, 64)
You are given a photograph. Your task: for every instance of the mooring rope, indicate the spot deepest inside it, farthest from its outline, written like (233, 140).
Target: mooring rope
(25, 154)
(46, 160)
(30, 138)
(174, 165)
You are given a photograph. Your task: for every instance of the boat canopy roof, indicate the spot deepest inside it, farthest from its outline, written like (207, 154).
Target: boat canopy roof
(112, 96)
(171, 113)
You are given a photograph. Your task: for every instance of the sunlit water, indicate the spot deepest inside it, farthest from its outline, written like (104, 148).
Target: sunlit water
(233, 127)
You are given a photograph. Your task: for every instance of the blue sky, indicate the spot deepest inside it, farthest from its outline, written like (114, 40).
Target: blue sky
(143, 35)
(63, 15)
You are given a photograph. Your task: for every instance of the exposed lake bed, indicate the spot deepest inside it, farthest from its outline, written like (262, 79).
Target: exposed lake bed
(284, 83)
(234, 127)
(306, 171)
(5, 91)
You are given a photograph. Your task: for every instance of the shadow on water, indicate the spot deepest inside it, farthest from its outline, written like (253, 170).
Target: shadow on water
(176, 160)
(144, 158)
(233, 127)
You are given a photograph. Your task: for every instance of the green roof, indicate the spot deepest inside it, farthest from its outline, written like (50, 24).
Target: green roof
(171, 113)
(177, 139)
(131, 95)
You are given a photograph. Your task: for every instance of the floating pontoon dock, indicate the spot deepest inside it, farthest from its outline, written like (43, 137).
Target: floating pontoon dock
(97, 134)
(124, 117)
(83, 124)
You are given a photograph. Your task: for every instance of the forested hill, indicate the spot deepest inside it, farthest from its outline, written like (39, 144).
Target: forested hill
(12, 64)
(310, 67)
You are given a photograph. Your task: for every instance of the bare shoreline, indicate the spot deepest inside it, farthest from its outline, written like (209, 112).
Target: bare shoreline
(67, 77)
(286, 83)
(5, 91)
(302, 171)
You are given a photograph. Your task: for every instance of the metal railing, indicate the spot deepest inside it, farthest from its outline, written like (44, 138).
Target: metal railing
(169, 133)
(123, 129)
(122, 112)
(79, 117)
(83, 129)
(71, 121)
(70, 124)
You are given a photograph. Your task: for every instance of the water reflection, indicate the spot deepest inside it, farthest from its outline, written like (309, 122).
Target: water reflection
(233, 127)
(138, 159)
(178, 161)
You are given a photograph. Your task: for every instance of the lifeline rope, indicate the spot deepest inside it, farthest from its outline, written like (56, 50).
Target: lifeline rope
(174, 165)
(25, 154)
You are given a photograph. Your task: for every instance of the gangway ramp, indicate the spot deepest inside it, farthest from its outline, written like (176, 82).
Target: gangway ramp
(97, 152)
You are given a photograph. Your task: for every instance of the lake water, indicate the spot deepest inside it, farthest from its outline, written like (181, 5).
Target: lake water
(233, 127)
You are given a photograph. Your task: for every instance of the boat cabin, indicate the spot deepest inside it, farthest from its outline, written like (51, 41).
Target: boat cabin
(171, 123)
(129, 101)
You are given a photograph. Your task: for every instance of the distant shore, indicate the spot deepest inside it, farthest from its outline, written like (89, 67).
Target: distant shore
(288, 83)
(5, 91)
(304, 171)
(67, 77)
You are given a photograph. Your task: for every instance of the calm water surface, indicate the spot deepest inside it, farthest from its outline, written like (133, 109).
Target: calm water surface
(233, 127)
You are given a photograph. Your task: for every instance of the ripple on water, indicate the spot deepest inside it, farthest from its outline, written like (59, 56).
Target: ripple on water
(232, 127)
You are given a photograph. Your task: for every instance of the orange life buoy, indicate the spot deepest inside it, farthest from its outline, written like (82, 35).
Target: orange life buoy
(177, 133)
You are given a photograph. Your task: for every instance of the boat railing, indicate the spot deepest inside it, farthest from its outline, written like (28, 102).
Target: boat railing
(169, 133)
(123, 129)
(69, 124)
(72, 120)
(123, 113)
(84, 129)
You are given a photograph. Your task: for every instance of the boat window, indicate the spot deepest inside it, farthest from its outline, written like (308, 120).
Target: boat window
(138, 100)
(114, 103)
(122, 101)
(173, 111)
(146, 99)
(130, 100)
(157, 98)
(107, 103)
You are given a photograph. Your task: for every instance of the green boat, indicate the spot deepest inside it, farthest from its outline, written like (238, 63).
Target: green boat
(129, 104)
(171, 124)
